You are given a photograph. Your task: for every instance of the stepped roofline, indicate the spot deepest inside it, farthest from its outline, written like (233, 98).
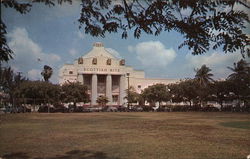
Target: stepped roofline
(99, 50)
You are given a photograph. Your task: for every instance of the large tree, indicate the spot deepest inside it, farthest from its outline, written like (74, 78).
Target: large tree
(203, 77)
(38, 92)
(132, 96)
(203, 24)
(74, 92)
(184, 91)
(240, 79)
(221, 91)
(10, 82)
(156, 93)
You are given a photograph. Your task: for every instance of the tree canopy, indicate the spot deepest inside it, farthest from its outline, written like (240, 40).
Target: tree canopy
(203, 24)
(203, 76)
(74, 92)
(102, 100)
(156, 93)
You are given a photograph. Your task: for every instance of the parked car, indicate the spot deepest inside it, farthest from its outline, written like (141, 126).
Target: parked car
(210, 109)
(23, 109)
(46, 109)
(112, 109)
(147, 108)
(121, 108)
(94, 109)
(164, 109)
(137, 108)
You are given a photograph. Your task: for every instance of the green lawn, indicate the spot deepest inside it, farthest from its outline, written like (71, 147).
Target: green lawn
(191, 135)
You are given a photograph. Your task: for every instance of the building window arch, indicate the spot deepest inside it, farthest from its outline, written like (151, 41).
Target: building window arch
(108, 61)
(94, 61)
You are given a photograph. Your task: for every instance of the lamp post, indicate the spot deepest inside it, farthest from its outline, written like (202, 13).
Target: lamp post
(128, 89)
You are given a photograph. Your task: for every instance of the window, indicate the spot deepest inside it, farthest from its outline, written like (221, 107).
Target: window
(122, 62)
(94, 61)
(70, 72)
(80, 61)
(115, 98)
(109, 62)
(115, 80)
(101, 78)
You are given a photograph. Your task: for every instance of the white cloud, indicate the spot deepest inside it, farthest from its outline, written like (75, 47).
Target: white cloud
(80, 35)
(113, 52)
(29, 56)
(153, 54)
(73, 52)
(34, 74)
(130, 48)
(217, 61)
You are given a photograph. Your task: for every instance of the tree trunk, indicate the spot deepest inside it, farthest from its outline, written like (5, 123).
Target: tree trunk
(221, 105)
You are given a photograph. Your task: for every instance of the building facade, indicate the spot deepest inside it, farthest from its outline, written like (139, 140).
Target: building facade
(106, 75)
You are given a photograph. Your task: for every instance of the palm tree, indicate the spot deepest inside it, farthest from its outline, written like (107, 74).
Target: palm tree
(241, 70)
(47, 72)
(203, 76)
(240, 79)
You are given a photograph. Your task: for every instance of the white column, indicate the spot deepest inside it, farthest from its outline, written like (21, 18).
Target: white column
(80, 78)
(122, 93)
(109, 88)
(93, 89)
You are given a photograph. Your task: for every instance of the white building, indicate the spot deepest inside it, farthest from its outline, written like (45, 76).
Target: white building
(106, 75)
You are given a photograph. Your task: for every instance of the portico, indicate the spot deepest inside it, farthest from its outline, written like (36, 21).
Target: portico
(109, 85)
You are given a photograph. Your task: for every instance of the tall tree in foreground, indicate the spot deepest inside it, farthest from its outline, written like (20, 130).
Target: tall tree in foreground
(204, 24)
(47, 73)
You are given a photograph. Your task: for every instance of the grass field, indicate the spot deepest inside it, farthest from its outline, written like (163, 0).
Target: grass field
(191, 135)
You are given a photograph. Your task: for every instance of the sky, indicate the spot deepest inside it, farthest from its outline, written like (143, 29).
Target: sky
(52, 35)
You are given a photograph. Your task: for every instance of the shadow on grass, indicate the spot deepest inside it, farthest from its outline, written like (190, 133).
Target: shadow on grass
(75, 154)
(237, 124)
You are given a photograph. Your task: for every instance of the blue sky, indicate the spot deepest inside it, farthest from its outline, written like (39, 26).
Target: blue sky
(52, 35)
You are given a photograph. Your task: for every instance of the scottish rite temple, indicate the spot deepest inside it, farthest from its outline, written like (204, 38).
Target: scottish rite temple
(106, 75)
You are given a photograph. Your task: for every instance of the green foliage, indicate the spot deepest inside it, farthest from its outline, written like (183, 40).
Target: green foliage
(10, 82)
(203, 76)
(102, 100)
(221, 91)
(132, 95)
(39, 92)
(184, 91)
(74, 92)
(240, 80)
(47, 73)
(210, 24)
(156, 93)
